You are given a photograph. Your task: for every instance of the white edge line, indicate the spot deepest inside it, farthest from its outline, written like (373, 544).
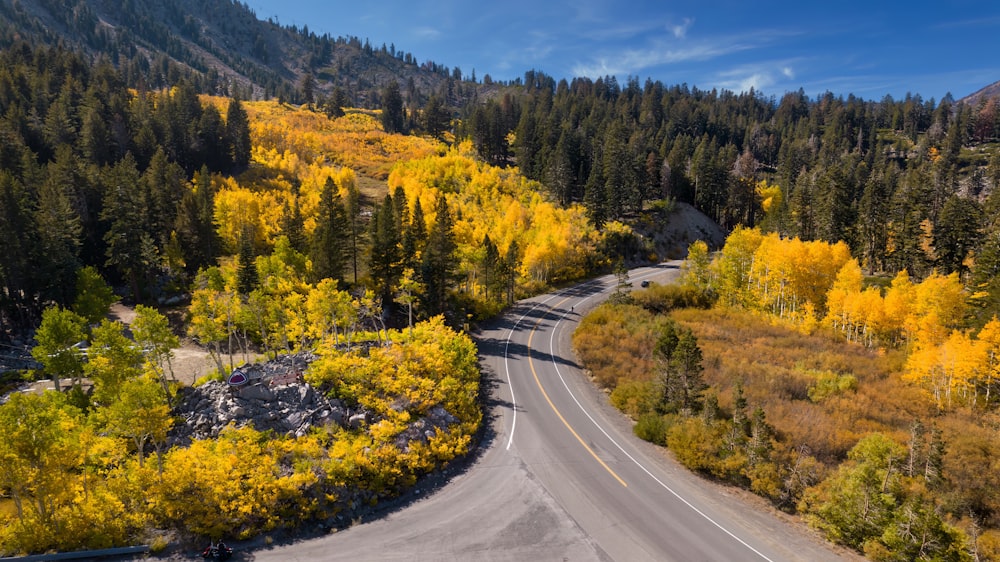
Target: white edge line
(631, 458)
(506, 368)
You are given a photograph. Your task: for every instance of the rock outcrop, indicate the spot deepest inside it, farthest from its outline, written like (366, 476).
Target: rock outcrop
(276, 399)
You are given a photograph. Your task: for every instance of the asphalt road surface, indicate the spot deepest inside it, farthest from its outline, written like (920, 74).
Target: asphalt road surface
(560, 475)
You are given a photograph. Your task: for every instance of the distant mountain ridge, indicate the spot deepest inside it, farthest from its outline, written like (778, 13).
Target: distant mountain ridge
(991, 91)
(224, 48)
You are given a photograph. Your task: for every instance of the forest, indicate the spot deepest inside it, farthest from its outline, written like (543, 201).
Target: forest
(284, 228)
(906, 184)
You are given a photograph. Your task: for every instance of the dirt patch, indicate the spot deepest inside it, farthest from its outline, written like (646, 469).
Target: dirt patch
(670, 235)
(190, 361)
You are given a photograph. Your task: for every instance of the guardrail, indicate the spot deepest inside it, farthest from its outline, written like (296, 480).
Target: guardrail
(81, 554)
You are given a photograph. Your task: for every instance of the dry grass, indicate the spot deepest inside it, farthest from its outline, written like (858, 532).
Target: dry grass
(778, 365)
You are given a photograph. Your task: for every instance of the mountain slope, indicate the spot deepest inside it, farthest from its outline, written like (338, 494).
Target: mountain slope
(991, 91)
(223, 48)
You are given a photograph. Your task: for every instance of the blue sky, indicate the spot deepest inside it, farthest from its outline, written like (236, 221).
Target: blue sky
(868, 49)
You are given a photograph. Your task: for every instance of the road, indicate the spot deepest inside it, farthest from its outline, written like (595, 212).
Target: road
(560, 475)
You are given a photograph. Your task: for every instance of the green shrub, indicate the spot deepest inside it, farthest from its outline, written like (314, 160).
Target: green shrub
(652, 427)
(664, 298)
(829, 384)
(635, 398)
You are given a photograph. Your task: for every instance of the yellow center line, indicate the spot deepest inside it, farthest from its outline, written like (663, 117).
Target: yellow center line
(556, 410)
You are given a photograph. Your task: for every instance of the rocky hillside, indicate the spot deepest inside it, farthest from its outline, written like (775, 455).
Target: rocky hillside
(224, 48)
(991, 91)
(277, 399)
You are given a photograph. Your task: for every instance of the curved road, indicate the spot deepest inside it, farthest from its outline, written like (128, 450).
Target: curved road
(560, 475)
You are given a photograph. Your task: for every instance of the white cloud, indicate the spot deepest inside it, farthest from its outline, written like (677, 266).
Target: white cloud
(680, 31)
(788, 72)
(632, 61)
(426, 32)
(757, 81)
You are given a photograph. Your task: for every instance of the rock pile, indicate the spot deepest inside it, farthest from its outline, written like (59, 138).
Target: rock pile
(289, 409)
(277, 399)
(425, 427)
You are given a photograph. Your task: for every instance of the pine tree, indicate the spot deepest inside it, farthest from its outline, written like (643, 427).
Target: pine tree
(196, 223)
(163, 181)
(414, 237)
(247, 278)
(59, 228)
(436, 119)
(438, 268)
(509, 266)
(329, 246)
(393, 119)
(130, 248)
(18, 231)
(873, 213)
(687, 382)
(238, 135)
(490, 265)
(759, 445)
(353, 210)
(293, 225)
(956, 233)
(384, 261)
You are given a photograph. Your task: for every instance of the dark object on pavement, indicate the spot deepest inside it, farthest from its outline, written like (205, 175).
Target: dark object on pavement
(217, 551)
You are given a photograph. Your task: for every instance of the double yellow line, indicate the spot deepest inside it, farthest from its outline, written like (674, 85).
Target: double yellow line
(531, 364)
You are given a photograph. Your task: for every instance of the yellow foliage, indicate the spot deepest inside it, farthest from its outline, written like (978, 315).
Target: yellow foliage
(233, 485)
(500, 203)
(769, 194)
(240, 211)
(355, 140)
(786, 274)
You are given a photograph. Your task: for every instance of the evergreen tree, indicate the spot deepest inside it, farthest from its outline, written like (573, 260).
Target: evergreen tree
(985, 279)
(329, 247)
(59, 229)
(334, 106)
(509, 267)
(680, 370)
(131, 249)
(438, 266)
(759, 444)
(353, 210)
(94, 140)
(212, 137)
(308, 88)
(18, 231)
(414, 237)
(247, 278)
(490, 266)
(238, 135)
(435, 117)
(595, 197)
(293, 225)
(195, 226)
(956, 233)
(384, 261)
(393, 119)
(873, 214)
(164, 185)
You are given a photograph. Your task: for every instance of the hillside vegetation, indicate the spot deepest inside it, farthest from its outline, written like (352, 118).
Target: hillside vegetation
(253, 211)
(871, 411)
(221, 46)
